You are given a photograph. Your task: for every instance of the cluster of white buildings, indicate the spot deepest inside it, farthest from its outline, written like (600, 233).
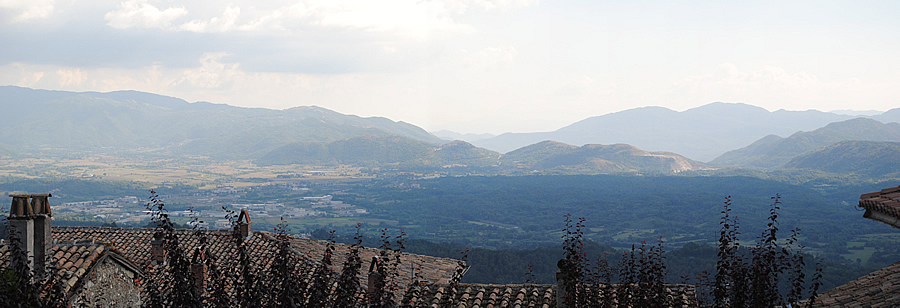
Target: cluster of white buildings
(105, 209)
(208, 208)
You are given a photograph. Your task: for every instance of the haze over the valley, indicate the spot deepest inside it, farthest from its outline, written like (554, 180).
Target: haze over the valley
(466, 66)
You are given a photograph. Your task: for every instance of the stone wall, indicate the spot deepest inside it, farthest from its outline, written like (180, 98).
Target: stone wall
(110, 285)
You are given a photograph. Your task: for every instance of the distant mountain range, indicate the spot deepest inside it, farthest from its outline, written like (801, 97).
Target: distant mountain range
(773, 152)
(867, 158)
(637, 140)
(701, 133)
(554, 156)
(122, 120)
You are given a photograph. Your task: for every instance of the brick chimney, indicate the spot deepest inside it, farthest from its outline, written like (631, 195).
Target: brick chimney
(158, 249)
(242, 228)
(43, 236)
(30, 219)
(198, 266)
(376, 282)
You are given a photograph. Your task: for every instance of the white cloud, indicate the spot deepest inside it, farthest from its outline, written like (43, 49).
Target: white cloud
(71, 77)
(486, 59)
(418, 19)
(212, 74)
(25, 10)
(20, 74)
(502, 5)
(140, 14)
(216, 24)
(407, 18)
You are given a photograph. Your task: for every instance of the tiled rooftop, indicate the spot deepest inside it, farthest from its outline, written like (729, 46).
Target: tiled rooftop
(74, 261)
(881, 288)
(886, 202)
(134, 243)
(513, 296)
(432, 269)
(480, 295)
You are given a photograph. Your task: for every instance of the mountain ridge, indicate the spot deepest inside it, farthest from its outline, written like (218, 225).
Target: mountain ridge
(551, 156)
(702, 133)
(773, 152)
(128, 120)
(381, 151)
(876, 159)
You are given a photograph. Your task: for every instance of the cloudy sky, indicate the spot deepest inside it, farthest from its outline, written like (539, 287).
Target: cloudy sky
(470, 66)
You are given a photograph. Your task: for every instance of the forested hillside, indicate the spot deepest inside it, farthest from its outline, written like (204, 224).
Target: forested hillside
(550, 157)
(865, 158)
(774, 152)
(382, 152)
(519, 212)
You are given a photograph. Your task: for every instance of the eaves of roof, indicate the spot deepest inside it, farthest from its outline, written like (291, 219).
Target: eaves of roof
(883, 206)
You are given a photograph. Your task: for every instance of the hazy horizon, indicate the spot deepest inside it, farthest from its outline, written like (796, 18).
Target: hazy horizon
(467, 66)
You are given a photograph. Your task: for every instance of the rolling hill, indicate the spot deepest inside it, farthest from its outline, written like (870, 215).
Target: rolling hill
(381, 151)
(701, 133)
(128, 120)
(546, 157)
(867, 158)
(889, 116)
(773, 152)
(550, 156)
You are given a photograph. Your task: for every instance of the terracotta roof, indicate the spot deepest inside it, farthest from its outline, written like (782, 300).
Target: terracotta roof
(135, 242)
(76, 261)
(882, 205)
(881, 288)
(514, 295)
(432, 269)
(135, 245)
(480, 295)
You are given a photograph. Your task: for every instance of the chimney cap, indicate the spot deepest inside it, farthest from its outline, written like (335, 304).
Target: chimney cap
(244, 217)
(40, 204)
(30, 195)
(21, 208)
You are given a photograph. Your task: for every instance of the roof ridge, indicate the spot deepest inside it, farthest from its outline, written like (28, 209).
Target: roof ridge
(100, 228)
(82, 244)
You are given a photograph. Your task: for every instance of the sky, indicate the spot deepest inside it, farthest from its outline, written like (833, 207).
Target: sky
(469, 66)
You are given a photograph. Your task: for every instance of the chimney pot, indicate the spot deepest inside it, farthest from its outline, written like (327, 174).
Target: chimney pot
(562, 277)
(198, 269)
(243, 225)
(20, 206)
(158, 249)
(376, 282)
(31, 223)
